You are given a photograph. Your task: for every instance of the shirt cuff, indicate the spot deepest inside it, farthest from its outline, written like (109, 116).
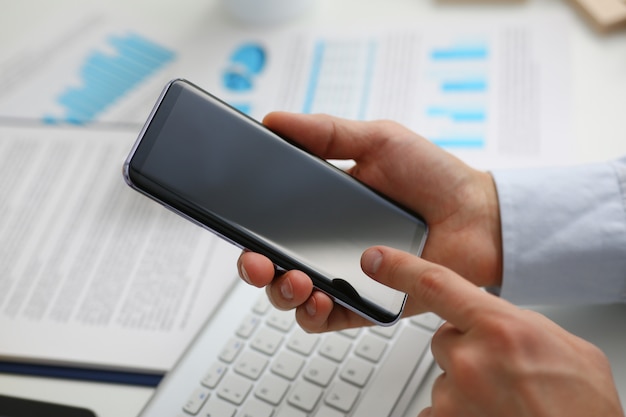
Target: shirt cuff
(564, 234)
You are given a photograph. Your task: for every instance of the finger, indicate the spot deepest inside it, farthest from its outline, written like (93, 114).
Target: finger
(313, 314)
(443, 401)
(433, 287)
(441, 345)
(289, 290)
(426, 412)
(255, 269)
(321, 314)
(331, 137)
(316, 311)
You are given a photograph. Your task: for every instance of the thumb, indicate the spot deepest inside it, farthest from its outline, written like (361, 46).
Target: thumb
(431, 287)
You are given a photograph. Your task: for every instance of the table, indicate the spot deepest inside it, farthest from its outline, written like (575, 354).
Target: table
(598, 65)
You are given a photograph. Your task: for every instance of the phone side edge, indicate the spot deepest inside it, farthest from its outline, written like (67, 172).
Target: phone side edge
(144, 128)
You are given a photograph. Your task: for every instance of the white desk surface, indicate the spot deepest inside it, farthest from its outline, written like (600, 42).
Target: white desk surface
(599, 129)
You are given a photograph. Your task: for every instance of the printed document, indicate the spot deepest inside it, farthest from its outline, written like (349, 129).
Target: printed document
(92, 272)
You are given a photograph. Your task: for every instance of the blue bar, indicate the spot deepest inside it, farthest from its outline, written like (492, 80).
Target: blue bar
(77, 115)
(464, 86)
(460, 52)
(77, 108)
(102, 78)
(132, 65)
(85, 101)
(459, 142)
(100, 88)
(108, 73)
(318, 56)
(50, 119)
(74, 99)
(123, 65)
(77, 102)
(458, 115)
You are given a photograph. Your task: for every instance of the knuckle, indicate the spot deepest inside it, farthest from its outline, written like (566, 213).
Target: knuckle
(465, 366)
(429, 284)
(596, 355)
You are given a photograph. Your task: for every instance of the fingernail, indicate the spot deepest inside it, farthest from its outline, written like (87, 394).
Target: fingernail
(371, 261)
(286, 289)
(311, 307)
(244, 274)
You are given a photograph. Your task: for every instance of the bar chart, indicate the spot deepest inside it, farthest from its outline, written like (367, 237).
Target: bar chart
(455, 90)
(439, 85)
(106, 76)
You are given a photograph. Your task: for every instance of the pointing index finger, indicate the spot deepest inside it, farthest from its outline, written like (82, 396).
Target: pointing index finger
(432, 287)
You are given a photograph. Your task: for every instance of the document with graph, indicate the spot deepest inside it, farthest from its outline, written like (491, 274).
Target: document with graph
(496, 92)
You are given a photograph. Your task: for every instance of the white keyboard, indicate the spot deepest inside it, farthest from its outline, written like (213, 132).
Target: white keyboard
(269, 367)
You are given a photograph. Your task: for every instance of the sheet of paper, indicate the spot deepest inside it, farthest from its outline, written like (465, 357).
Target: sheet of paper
(91, 272)
(495, 93)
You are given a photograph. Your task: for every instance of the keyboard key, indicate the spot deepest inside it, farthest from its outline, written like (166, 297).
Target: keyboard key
(251, 364)
(281, 320)
(262, 305)
(342, 396)
(287, 365)
(325, 411)
(272, 389)
(267, 341)
(386, 332)
(371, 348)
(320, 371)
(254, 408)
(234, 388)
(196, 401)
(231, 350)
(335, 347)
(305, 396)
(351, 333)
(431, 321)
(303, 342)
(215, 374)
(218, 408)
(357, 371)
(288, 411)
(248, 326)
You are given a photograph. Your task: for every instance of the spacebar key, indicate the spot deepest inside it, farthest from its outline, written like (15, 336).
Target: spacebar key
(395, 373)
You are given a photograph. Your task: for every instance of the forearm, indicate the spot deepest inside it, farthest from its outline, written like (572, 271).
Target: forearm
(564, 233)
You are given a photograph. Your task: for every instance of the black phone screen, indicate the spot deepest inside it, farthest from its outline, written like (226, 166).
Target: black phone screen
(234, 176)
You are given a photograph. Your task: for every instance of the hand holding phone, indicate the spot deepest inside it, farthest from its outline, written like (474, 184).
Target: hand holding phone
(459, 204)
(228, 173)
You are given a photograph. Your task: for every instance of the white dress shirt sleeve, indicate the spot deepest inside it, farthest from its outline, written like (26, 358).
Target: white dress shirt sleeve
(564, 234)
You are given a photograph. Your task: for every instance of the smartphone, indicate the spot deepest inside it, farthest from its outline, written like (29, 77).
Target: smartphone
(228, 173)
